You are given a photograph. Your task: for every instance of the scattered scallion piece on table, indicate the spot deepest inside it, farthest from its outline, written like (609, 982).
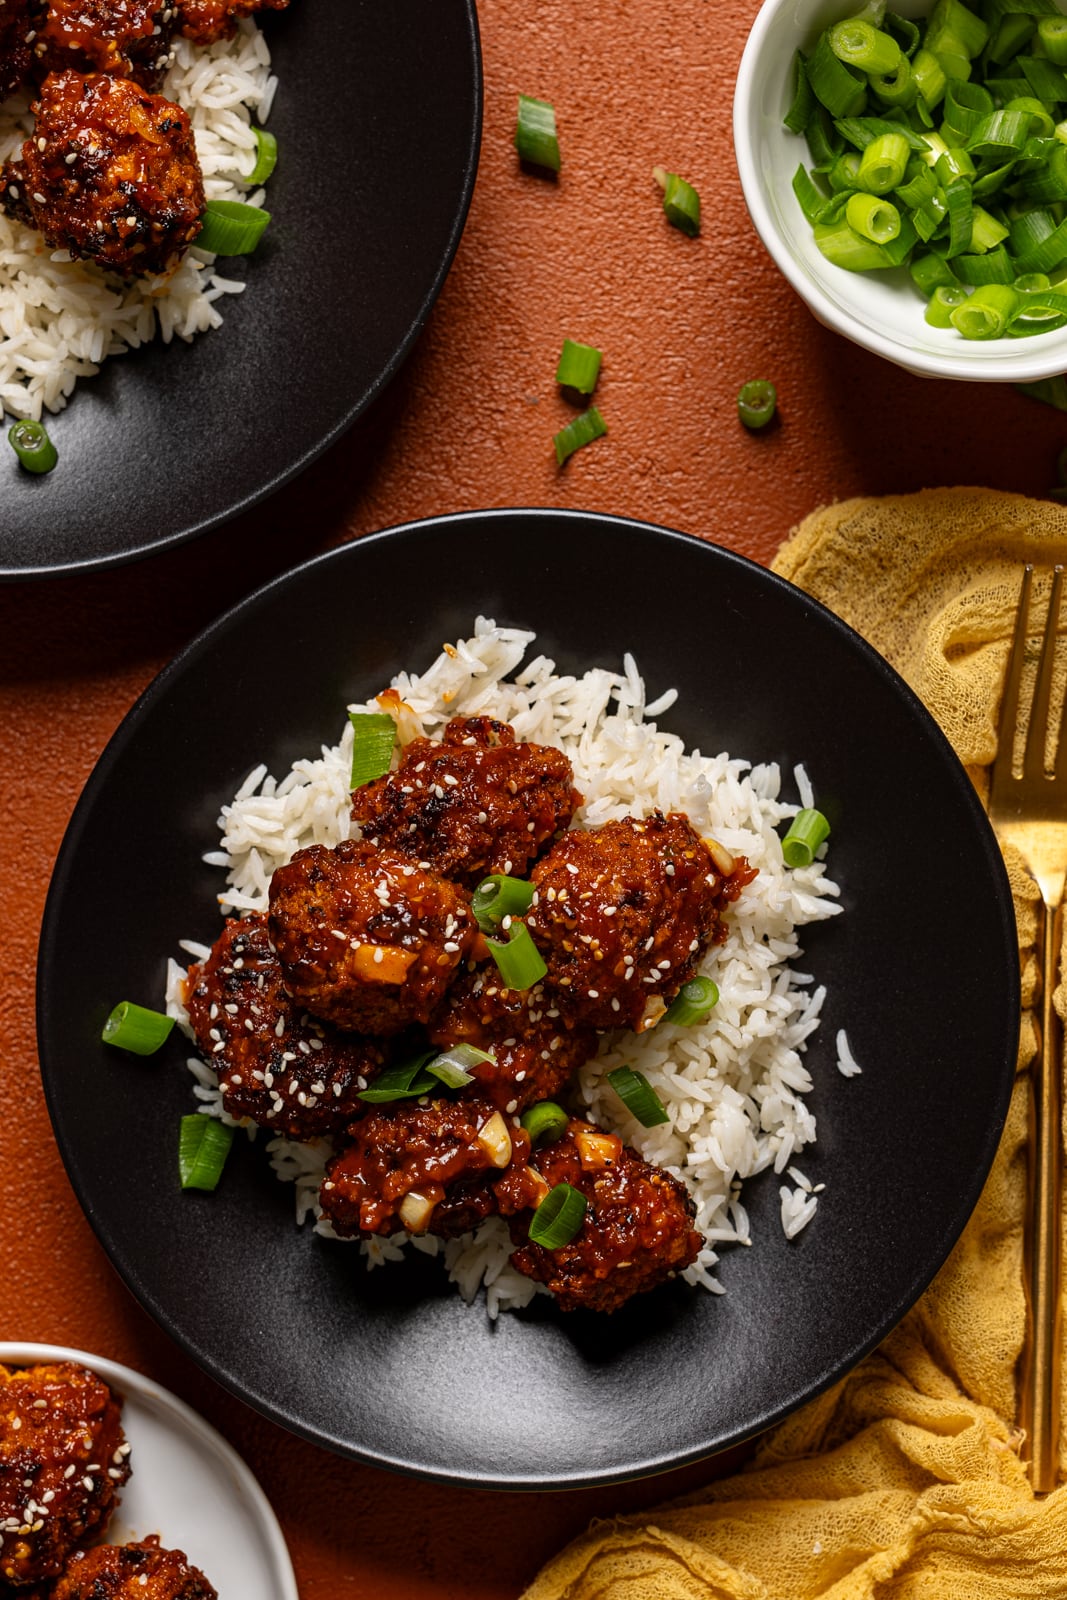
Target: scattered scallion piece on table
(373, 739)
(231, 228)
(681, 203)
(203, 1145)
(582, 430)
(519, 961)
(545, 1122)
(266, 157)
(500, 896)
(807, 831)
(1050, 391)
(638, 1096)
(536, 138)
(757, 403)
(31, 444)
(559, 1217)
(693, 1003)
(137, 1029)
(579, 367)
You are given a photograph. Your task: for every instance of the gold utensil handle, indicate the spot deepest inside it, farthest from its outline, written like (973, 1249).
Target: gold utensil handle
(1040, 1410)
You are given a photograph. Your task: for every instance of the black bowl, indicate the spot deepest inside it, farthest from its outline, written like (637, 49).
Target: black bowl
(378, 119)
(391, 1366)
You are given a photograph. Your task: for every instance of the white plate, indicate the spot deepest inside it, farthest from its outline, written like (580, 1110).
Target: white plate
(187, 1485)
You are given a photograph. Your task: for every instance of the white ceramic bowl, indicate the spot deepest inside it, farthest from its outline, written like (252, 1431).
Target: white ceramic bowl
(882, 311)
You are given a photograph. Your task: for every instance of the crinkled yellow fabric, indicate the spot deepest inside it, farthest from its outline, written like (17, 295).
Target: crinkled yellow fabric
(904, 1482)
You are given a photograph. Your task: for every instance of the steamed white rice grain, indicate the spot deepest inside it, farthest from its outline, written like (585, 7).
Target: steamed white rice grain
(60, 319)
(734, 1088)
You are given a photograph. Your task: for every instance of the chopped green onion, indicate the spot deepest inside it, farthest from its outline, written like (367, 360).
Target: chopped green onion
(693, 1003)
(582, 430)
(137, 1029)
(545, 1122)
(579, 367)
(930, 77)
(812, 202)
(1050, 391)
(498, 897)
(638, 1096)
(452, 1066)
(535, 133)
(952, 20)
(203, 1145)
(943, 302)
(842, 175)
(987, 313)
(839, 88)
(897, 88)
(757, 402)
(373, 738)
(231, 228)
(846, 248)
(930, 272)
(266, 157)
(558, 1217)
(519, 961)
(1052, 31)
(404, 1082)
(802, 104)
(681, 203)
(860, 45)
(807, 831)
(873, 217)
(31, 444)
(884, 162)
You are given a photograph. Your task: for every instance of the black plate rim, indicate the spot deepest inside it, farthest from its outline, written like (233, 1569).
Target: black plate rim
(203, 525)
(654, 1463)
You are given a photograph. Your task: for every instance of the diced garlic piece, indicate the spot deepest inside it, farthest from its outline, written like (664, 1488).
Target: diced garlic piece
(416, 1211)
(495, 1140)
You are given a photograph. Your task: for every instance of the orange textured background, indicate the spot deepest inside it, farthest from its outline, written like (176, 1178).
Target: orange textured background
(468, 423)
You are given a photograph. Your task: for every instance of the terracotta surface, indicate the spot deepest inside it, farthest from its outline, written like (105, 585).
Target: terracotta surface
(469, 423)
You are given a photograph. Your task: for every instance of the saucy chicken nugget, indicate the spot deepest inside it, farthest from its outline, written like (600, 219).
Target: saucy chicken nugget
(366, 938)
(624, 913)
(276, 1064)
(124, 38)
(140, 1571)
(535, 1054)
(418, 1167)
(111, 174)
(63, 1460)
(637, 1230)
(207, 21)
(15, 43)
(471, 804)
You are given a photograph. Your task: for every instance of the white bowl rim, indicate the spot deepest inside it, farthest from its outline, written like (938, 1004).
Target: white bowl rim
(1030, 366)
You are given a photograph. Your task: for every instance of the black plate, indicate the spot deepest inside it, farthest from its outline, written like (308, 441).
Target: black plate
(378, 118)
(391, 1366)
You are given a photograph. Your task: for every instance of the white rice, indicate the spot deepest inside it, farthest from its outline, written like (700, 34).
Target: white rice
(734, 1088)
(59, 319)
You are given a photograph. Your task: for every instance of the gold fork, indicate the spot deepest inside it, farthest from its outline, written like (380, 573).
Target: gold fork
(1029, 811)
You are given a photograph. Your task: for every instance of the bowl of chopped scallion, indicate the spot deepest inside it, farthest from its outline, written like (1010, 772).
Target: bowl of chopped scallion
(905, 164)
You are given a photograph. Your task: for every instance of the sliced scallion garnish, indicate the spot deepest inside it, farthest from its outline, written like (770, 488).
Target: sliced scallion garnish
(582, 430)
(31, 444)
(757, 403)
(559, 1217)
(519, 961)
(681, 203)
(231, 228)
(536, 138)
(638, 1096)
(545, 1122)
(406, 1081)
(266, 157)
(453, 1066)
(499, 896)
(203, 1145)
(137, 1029)
(373, 739)
(579, 367)
(807, 831)
(693, 1003)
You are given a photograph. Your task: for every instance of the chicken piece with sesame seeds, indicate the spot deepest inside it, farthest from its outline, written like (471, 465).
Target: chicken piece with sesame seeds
(367, 939)
(427, 1167)
(276, 1065)
(624, 914)
(207, 21)
(111, 174)
(636, 1233)
(124, 38)
(474, 802)
(16, 38)
(534, 1052)
(142, 1571)
(63, 1460)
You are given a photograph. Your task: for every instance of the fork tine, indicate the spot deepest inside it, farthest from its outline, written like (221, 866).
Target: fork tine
(1037, 731)
(1009, 707)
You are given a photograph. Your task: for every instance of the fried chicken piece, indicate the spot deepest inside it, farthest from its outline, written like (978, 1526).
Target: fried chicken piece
(15, 52)
(206, 21)
(276, 1064)
(63, 1460)
(535, 1053)
(111, 174)
(422, 1167)
(471, 804)
(624, 914)
(637, 1230)
(140, 1571)
(124, 38)
(365, 938)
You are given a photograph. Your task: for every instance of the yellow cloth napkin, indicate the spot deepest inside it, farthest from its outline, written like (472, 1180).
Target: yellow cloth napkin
(903, 1482)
